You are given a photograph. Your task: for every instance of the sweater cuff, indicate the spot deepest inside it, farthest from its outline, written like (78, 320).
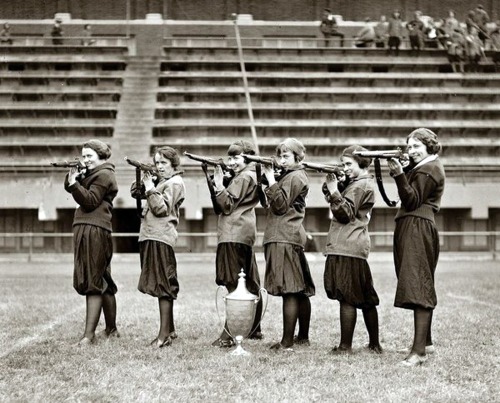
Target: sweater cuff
(335, 197)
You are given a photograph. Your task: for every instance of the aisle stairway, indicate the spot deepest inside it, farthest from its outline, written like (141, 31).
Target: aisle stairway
(135, 117)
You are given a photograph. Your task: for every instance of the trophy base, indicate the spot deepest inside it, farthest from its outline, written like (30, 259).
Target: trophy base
(239, 350)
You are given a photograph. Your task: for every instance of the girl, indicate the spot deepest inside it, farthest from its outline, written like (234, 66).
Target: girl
(416, 239)
(94, 192)
(347, 276)
(236, 229)
(157, 237)
(287, 270)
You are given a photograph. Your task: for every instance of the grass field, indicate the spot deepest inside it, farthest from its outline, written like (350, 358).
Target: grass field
(42, 317)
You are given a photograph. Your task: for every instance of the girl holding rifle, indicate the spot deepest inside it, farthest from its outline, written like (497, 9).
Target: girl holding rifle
(287, 270)
(347, 276)
(158, 235)
(416, 239)
(236, 229)
(94, 192)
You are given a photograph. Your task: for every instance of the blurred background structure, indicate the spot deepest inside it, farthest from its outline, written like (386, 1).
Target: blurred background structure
(167, 72)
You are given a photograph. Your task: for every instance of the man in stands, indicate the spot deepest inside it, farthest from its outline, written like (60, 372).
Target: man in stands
(5, 38)
(481, 18)
(329, 27)
(366, 36)
(57, 33)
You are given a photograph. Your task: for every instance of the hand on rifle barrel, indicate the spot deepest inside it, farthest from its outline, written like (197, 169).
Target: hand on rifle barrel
(332, 183)
(147, 179)
(395, 167)
(218, 178)
(268, 171)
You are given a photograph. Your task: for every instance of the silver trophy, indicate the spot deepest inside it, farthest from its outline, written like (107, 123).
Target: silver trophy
(240, 310)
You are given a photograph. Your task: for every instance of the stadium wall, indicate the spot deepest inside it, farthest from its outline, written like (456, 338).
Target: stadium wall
(277, 10)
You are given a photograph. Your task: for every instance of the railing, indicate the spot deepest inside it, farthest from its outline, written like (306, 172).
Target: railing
(490, 239)
(27, 41)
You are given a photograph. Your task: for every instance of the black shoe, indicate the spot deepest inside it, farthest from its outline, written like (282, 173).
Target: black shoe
(281, 347)
(256, 336)
(301, 342)
(340, 350)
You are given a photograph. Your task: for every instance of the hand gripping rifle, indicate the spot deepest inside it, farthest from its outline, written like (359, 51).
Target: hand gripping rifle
(205, 161)
(383, 154)
(139, 166)
(269, 161)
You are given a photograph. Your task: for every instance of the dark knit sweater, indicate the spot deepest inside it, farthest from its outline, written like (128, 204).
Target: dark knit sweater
(420, 190)
(94, 193)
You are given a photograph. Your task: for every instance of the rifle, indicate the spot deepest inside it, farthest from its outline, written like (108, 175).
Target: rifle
(336, 169)
(205, 161)
(209, 161)
(70, 164)
(385, 154)
(141, 166)
(261, 160)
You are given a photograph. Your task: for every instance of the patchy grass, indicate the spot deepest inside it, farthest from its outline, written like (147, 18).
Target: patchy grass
(42, 317)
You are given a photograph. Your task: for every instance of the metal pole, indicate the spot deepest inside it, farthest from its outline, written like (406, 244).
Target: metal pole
(128, 17)
(245, 84)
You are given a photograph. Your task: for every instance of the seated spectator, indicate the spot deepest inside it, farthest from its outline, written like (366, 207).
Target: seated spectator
(456, 50)
(416, 34)
(366, 36)
(442, 36)
(87, 35)
(474, 48)
(381, 32)
(451, 23)
(5, 37)
(329, 27)
(495, 42)
(57, 33)
(395, 31)
(481, 18)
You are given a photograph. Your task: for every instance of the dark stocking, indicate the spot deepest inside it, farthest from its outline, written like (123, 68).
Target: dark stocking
(290, 315)
(429, 333)
(258, 316)
(94, 305)
(370, 316)
(422, 319)
(304, 317)
(109, 310)
(166, 306)
(348, 316)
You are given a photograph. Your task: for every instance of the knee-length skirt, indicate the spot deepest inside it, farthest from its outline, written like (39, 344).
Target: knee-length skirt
(158, 270)
(93, 250)
(349, 279)
(416, 253)
(287, 270)
(231, 257)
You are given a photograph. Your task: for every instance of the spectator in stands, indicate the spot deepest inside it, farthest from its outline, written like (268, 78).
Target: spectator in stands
(416, 34)
(94, 191)
(287, 270)
(164, 195)
(5, 36)
(457, 50)
(329, 27)
(381, 32)
(366, 35)
(495, 42)
(347, 276)
(442, 36)
(481, 18)
(57, 33)
(87, 35)
(416, 240)
(474, 48)
(451, 23)
(236, 228)
(395, 31)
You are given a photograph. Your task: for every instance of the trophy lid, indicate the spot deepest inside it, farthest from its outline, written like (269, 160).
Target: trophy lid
(241, 292)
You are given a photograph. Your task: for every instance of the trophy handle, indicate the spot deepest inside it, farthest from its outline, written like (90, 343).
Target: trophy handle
(262, 291)
(222, 320)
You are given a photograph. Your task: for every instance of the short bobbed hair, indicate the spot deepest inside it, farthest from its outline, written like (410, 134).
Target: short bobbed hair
(102, 150)
(241, 147)
(170, 154)
(363, 162)
(294, 146)
(426, 137)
